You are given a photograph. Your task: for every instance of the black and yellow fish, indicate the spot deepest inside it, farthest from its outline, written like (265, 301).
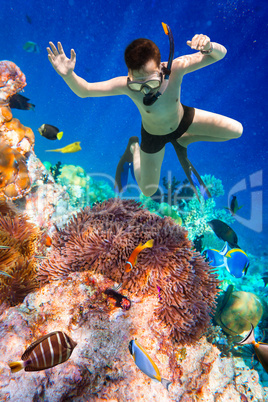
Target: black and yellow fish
(50, 132)
(46, 352)
(234, 207)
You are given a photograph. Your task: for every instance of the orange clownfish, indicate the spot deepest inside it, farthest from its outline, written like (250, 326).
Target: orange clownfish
(134, 255)
(48, 241)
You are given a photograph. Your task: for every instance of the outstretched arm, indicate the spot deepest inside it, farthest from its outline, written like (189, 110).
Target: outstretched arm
(82, 88)
(209, 52)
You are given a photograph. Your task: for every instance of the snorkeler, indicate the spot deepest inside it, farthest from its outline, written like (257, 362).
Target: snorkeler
(155, 89)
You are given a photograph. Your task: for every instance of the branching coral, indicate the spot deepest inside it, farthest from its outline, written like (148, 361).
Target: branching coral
(101, 240)
(18, 261)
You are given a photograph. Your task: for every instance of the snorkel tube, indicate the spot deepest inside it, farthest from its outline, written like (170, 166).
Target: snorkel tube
(150, 99)
(168, 32)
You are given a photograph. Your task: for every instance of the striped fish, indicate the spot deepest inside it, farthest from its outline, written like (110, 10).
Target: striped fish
(46, 352)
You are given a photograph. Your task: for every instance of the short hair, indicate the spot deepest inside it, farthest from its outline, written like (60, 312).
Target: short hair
(139, 52)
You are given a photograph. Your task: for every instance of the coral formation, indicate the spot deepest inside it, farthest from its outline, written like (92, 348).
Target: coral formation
(101, 367)
(12, 80)
(184, 207)
(23, 240)
(16, 140)
(82, 189)
(14, 178)
(101, 240)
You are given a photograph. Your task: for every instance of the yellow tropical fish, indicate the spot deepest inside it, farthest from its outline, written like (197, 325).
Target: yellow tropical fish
(74, 147)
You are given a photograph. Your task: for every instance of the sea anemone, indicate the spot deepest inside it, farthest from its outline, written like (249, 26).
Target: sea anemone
(18, 264)
(101, 240)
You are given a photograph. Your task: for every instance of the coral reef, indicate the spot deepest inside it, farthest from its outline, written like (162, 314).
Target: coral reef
(23, 240)
(14, 177)
(16, 140)
(184, 207)
(101, 240)
(82, 189)
(101, 367)
(12, 80)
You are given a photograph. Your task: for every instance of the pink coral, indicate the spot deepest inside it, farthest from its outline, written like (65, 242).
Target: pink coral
(12, 80)
(101, 240)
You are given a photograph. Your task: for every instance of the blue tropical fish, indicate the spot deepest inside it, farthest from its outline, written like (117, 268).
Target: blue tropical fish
(234, 260)
(31, 47)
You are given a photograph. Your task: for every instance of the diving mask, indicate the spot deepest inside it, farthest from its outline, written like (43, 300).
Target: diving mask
(151, 83)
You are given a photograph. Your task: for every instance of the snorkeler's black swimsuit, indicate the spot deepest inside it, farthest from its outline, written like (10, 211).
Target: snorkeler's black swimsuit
(154, 143)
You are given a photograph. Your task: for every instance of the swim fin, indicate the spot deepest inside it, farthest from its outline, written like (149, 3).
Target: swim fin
(124, 166)
(192, 175)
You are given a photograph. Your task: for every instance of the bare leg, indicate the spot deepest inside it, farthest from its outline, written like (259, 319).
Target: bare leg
(147, 168)
(208, 126)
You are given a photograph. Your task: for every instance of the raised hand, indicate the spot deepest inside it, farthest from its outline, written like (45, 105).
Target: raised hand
(59, 61)
(199, 42)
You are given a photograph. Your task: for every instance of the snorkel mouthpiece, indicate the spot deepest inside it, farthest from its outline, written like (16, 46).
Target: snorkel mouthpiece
(149, 99)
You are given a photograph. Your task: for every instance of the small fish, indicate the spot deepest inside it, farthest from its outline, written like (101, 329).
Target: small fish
(28, 18)
(215, 257)
(224, 232)
(41, 257)
(6, 274)
(4, 247)
(145, 363)
(46, 352)
(234, 260)
(48, 241)
(134, 255)
(31, 47)
(74, 147)
(234, 205)
(261, 349)
(121, 301)
(50, 132)
(18, 101)
(265, 278)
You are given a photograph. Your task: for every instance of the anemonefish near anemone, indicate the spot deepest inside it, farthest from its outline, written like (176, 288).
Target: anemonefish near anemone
(134, 255)
(145, 363)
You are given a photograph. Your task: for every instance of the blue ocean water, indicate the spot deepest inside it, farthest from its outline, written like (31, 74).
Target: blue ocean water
(99, 31)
